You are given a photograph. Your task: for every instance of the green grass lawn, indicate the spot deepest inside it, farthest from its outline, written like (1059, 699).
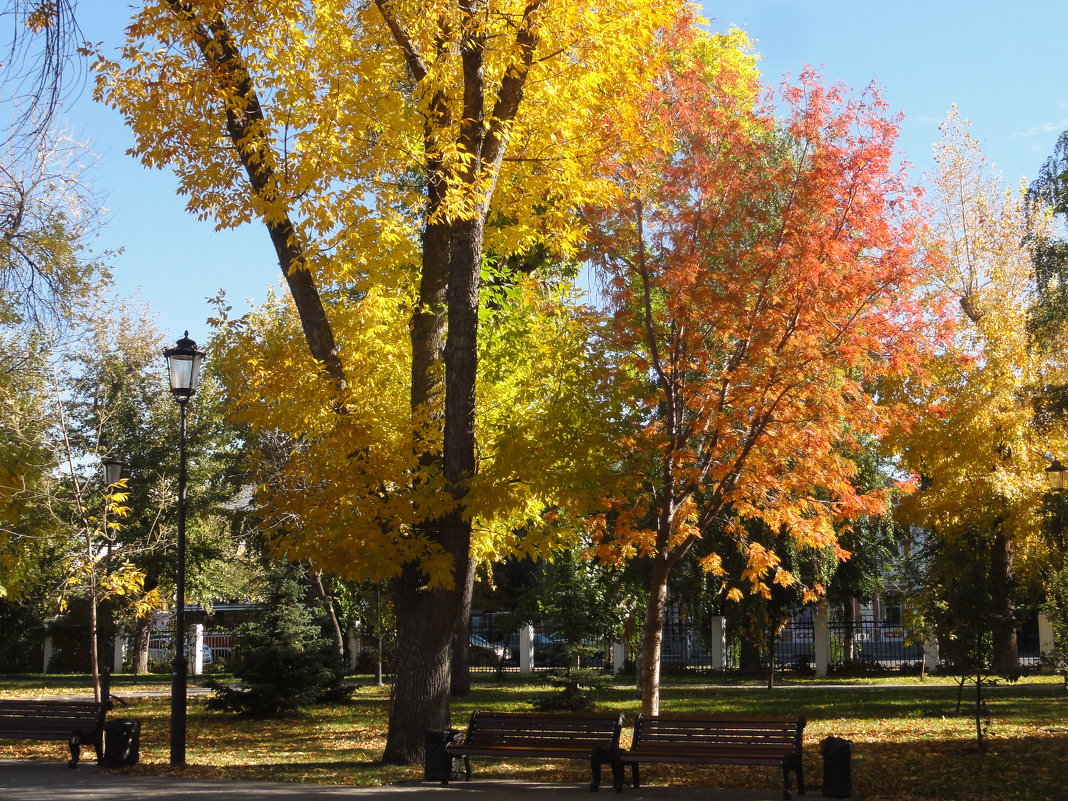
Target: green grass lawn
(908, 743)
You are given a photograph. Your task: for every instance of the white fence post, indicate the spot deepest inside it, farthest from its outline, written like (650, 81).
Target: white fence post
(49, 651)
(526, 648)
(198, 649)
(821, 640)
(1046, 641)
(930, 655)
(118, 655)
(719, 643)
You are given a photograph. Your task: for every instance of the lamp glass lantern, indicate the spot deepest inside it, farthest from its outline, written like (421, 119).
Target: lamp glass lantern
(112, 470)
(1057, 475)
(183, 366)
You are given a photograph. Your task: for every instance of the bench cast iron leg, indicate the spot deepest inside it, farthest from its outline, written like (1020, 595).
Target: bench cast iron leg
(596, 758)
(634, 775)
(786, 779)
(617, 773)
(446, 770)
(467, 768)
(799, 768)
(75, 742)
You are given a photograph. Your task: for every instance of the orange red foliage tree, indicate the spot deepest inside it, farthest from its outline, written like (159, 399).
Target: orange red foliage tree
(763, 276)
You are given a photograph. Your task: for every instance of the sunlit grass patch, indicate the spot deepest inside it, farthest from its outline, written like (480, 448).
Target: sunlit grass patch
(908, 742)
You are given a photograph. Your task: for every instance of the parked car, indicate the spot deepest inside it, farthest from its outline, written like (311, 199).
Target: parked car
(549, 650)
(482, 651)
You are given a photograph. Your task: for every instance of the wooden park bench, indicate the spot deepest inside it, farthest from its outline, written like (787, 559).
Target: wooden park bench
(506, 734)
(77, 722)
(718, 741)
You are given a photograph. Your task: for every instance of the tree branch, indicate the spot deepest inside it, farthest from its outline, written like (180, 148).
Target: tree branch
(246, 129)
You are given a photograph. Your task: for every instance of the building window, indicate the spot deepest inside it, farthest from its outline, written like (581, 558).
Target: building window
(892, 609)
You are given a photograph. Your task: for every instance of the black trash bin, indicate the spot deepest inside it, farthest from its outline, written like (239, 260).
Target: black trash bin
(437, 767)
(122, 742)
(837, 771)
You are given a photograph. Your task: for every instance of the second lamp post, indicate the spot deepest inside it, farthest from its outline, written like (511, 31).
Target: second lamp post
(183, 366)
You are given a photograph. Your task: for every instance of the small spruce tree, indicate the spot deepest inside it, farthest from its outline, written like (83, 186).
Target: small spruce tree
(574, 599)
(283, 659)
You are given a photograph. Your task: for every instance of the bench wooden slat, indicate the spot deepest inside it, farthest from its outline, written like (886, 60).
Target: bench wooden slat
(593, 737)
(721, 741)
(77, 722)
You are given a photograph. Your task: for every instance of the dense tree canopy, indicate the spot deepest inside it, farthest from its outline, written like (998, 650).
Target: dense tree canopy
(389, 146)
(975, 449)
(1048, 194)
(346, 491)
(763, 277)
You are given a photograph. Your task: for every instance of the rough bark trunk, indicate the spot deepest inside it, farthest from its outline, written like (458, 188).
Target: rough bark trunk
(461, 369)
(142, 630)
(750, 662)
(749, 659)
(427, 620)
(653, 638)
(460, 680)
(1006, 648)
(421, 691)
(420, 696)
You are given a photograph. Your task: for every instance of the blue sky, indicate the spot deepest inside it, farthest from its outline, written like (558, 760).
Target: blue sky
(1001, 63)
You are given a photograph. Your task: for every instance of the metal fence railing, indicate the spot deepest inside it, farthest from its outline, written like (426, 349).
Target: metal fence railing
(795, 645)
(866, 645)
(221, 645)
(686, 646)
(873, 644)
(1028, 644)
(217, 649)
(492, 647)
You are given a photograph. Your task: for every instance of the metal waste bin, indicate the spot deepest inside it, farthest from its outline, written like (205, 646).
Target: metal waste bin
(122, 742)
(837, 770)
(437, 767)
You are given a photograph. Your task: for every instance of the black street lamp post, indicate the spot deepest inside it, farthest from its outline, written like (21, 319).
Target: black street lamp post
(183, 362)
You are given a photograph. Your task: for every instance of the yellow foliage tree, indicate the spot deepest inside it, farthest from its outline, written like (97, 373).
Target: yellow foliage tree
(978, 456)
(346, 491)
(392, 144)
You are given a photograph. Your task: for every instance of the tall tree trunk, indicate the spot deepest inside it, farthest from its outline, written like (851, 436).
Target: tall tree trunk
(461, 370)
(142, 631)
(1006, 648)
(420, 696)
(94, 634)
(460, 680)
(425, 618)
(749, 658)
(770, 646)
(653, 638)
